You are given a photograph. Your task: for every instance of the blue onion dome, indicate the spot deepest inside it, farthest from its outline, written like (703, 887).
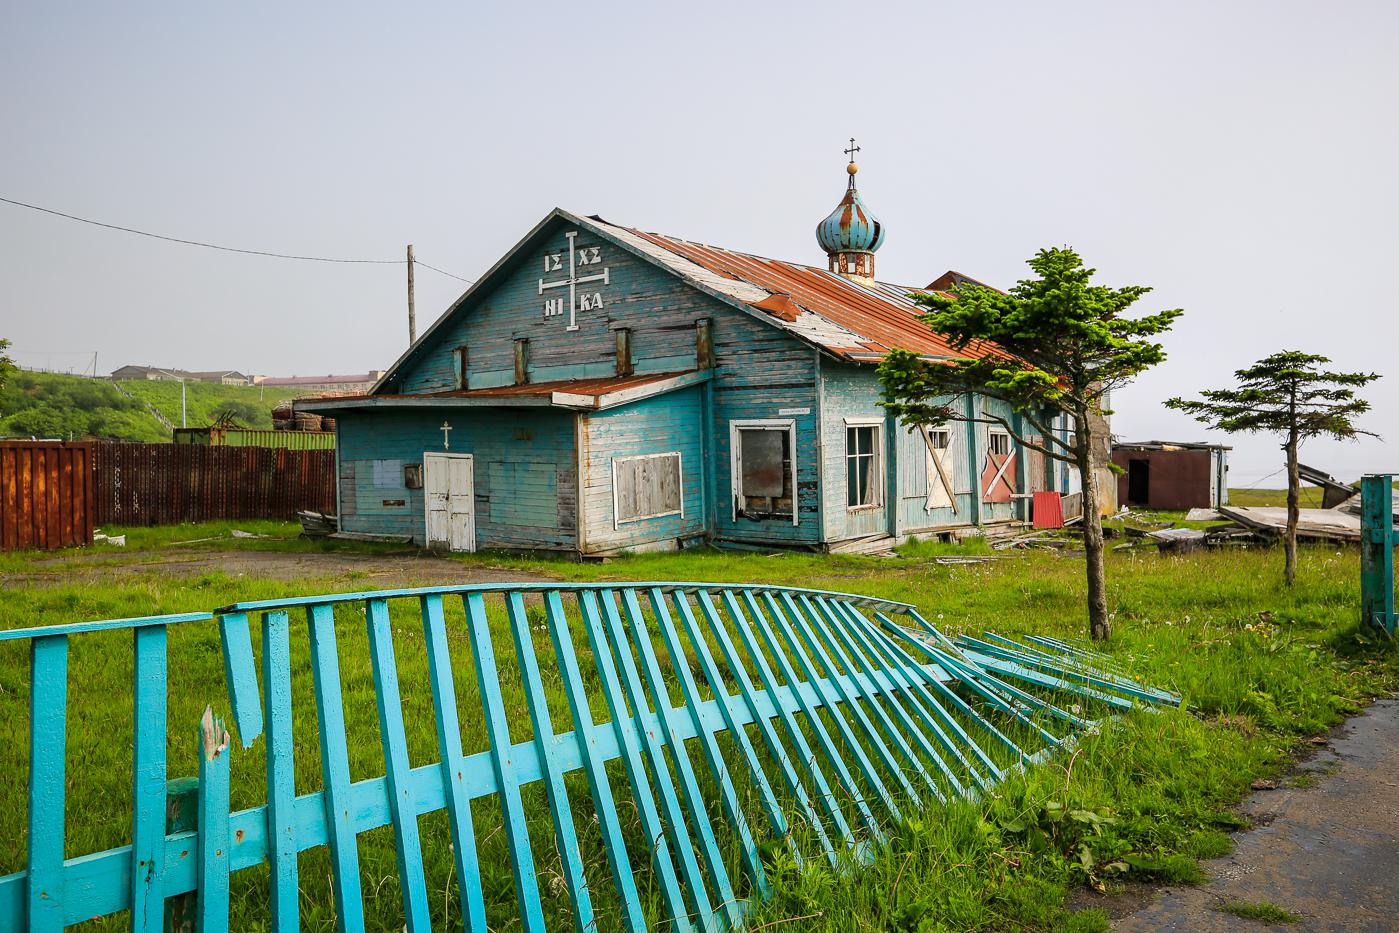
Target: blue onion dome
(851, 226)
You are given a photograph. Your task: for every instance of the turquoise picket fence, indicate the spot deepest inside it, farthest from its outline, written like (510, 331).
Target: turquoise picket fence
(682, 735)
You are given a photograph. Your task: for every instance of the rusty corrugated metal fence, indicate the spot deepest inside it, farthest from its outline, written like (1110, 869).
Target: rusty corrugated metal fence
(46, 494)
(162, 484)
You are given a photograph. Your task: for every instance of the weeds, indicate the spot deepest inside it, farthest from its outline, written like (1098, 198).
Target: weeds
(1262, 911)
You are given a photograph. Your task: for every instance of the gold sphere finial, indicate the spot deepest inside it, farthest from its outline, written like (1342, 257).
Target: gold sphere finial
(852, 168)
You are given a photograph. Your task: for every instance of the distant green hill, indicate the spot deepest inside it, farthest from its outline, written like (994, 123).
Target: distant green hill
(60, 406)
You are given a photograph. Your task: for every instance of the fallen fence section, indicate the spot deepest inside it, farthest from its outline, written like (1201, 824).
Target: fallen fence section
(809, 722)
(1377, 553)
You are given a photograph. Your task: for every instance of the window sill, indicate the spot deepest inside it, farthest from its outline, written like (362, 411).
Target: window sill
(864, 508)
(642, 518)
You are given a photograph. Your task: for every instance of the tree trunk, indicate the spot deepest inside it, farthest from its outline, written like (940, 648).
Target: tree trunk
(1294, 493)
(1098, 625)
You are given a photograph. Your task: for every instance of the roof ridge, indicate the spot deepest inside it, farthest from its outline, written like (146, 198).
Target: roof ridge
(739, 252)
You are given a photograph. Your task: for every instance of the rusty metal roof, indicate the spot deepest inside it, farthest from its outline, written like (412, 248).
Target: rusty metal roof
(858, 322)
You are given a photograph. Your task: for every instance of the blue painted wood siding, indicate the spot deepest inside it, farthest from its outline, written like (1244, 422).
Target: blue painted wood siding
(668, 423)
(526, 485)
(659, 309)
(851, 392)
(764, 375)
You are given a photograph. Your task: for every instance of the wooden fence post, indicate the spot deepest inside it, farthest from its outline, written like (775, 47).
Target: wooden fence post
(181, 816)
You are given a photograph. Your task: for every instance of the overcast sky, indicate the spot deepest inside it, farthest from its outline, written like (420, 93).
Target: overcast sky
(1240, 158)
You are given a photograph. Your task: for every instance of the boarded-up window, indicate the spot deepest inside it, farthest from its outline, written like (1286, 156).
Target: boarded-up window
(938, 457)
(647, 486)
(763, 471)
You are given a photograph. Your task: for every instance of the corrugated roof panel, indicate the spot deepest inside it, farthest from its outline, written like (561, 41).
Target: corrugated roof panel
(849, 319)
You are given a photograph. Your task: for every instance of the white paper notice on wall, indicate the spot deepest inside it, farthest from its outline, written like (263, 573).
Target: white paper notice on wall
(794, 411)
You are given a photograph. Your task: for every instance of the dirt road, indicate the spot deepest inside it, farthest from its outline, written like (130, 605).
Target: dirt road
(364, 571)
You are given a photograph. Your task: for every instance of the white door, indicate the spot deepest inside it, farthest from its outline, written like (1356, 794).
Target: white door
(451, 501)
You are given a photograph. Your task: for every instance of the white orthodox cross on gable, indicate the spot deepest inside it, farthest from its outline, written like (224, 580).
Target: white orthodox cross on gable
(587, 301)
(444, 429)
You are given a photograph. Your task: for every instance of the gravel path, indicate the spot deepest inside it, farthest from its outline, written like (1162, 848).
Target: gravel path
(1328, 853)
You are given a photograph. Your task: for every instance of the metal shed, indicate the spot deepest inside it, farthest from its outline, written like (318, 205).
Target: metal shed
(1172, 474)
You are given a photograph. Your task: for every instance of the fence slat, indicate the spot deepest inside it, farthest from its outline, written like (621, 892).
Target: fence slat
(335, 770)
(498, 734)
(48, 740)
(240, 673)
(805, 755)
(593, 764)
(732, 724)
(281, 771)
(913, 701)
(769, 733)
(792, 620)
(536, 701)
(674, 822)
(625, 728)
(694, 801)
(832, 640)
(149, 782)
(689, 690)
(408, 847)
(213, 825)
(444, 704)
(823, 737)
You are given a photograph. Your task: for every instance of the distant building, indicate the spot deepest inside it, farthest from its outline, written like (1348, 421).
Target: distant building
(350, 385)
(228, 377)
(1172, 474)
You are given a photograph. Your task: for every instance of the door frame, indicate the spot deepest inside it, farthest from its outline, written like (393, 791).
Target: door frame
(427, 499)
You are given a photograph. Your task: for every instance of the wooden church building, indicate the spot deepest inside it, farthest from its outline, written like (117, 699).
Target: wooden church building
(603, 389)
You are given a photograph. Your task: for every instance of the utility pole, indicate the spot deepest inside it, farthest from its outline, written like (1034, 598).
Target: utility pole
(184, 423)
(412, 317)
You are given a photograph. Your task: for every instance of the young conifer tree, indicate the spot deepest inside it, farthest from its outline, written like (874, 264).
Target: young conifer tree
(1061, 344)
(1289, 394)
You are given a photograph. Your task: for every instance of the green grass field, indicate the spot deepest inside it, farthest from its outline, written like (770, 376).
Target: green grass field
(203, 401)
(1262, 667)
(53, 405)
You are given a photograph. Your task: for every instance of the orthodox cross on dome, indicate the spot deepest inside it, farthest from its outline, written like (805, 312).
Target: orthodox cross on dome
(852, 150)
(588, 301)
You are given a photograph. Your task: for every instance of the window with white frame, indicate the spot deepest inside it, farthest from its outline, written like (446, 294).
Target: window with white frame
(764, 469)
(647, 486)
(863, 476)
(939, 438)
(998, 443)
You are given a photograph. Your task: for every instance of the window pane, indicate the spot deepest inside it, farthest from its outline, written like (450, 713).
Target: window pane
(763, 469)
(852, 484)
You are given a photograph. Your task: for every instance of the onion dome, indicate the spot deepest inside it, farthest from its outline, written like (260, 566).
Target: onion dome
(851, 234)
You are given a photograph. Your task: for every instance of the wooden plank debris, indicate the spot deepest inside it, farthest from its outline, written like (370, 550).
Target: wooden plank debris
(1312, 524)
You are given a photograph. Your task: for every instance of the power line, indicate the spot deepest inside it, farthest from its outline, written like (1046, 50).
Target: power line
(227, 249)
(419, 262)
